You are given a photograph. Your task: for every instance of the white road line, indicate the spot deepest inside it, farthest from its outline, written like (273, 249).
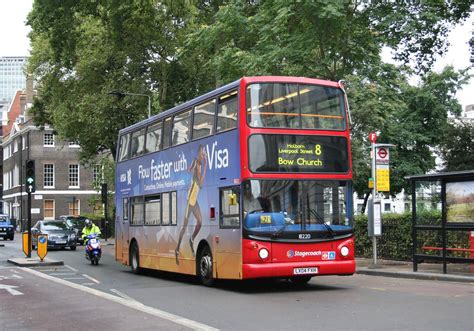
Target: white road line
(62, 273)
(90, 278)
(123, 295)
(10, 289)
(74, 278)
(131, 304)
(88, 284)
(71, 268)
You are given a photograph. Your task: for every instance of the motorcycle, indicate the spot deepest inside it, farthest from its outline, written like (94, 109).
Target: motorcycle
(93, 249)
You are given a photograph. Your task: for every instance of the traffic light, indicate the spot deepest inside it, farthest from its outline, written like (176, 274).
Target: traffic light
(104, 192)
(30, 176)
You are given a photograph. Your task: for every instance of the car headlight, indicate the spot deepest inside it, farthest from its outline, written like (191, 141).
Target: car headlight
(263, 253)
(344, 251)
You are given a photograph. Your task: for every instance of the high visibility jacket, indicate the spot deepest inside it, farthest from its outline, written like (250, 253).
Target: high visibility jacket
(94, 229)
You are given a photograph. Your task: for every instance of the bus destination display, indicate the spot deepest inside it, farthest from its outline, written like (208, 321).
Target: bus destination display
(293, 153)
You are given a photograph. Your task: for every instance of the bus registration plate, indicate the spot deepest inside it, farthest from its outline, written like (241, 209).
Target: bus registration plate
(304, 271)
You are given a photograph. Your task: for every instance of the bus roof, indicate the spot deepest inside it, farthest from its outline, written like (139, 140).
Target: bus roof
(222, 89)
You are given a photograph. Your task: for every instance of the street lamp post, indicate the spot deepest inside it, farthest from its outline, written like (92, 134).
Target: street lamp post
(122, 94)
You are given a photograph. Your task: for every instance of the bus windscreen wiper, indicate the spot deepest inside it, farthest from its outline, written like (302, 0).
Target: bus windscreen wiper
(329, 230)
(277, 233)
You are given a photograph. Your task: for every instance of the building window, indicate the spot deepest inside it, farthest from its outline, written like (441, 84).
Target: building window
(49, 209)
(23, 143)
(48, 139)
(97, 174)
(386, 207)
(48, 176)
(74, 175)
(15, 146)
(74, 207)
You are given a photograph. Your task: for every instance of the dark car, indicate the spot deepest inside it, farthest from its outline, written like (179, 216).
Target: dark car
(60, 234)
(77, 223)
(7, 230)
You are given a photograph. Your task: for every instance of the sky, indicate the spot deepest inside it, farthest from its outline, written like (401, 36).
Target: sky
(14, 41)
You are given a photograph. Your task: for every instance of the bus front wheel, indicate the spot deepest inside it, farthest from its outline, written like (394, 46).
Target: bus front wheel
(134, 259)
(205, 267)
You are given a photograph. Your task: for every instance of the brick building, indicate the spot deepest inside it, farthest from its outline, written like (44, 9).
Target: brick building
(63, 185)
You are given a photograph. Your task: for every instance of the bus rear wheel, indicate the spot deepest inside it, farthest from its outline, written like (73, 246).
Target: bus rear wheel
(135, 259)
(205, 267)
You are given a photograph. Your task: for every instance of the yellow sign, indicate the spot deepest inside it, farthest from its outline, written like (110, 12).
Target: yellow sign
(265, 219)
(383, 179)
(25, 243)
(42, 246)
(371, 183)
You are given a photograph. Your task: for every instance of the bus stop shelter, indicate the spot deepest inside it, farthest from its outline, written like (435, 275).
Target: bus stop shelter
(443, 218)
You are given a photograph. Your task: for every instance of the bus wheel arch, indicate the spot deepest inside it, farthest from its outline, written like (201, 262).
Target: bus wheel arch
(205, 264)
(134, 257)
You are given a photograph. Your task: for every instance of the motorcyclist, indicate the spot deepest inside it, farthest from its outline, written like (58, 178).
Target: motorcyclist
(89, 229)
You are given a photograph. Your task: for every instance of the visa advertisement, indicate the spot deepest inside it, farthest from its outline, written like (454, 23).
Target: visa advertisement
(169, 170)
(195, 171)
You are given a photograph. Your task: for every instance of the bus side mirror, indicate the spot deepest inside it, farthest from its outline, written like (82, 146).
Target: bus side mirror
(232, 199)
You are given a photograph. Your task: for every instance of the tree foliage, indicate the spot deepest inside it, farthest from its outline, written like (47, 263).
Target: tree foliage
(176, 50)
(457, 146)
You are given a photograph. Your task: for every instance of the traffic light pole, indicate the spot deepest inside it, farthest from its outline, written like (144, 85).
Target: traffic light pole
(29, 225)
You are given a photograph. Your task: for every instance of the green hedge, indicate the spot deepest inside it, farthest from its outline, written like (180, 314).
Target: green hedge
(396, 241)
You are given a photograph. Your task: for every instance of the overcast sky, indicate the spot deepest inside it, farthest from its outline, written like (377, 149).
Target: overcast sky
(14, 41)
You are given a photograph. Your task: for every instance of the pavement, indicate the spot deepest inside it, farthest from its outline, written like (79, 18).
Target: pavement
(426, 271)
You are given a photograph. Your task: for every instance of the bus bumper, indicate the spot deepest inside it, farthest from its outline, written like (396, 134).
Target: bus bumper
(324, 268)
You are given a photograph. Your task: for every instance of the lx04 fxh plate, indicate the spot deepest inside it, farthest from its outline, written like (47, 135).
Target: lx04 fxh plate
(305, 271)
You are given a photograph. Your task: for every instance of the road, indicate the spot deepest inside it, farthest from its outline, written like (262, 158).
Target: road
(170, 301)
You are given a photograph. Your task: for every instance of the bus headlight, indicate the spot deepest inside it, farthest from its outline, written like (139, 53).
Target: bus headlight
(344, 251)
(263, 253)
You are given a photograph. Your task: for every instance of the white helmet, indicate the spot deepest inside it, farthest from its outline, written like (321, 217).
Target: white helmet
(87, 221)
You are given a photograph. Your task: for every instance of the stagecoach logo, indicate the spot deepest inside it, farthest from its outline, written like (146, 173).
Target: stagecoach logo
(291, 253)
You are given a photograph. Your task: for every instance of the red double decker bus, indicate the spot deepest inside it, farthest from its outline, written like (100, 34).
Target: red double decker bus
(251, 180)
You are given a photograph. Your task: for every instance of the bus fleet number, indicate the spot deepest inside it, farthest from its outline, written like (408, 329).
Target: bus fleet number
(304, 236)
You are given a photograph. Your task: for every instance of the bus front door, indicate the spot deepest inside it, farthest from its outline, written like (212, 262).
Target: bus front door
(229, 240)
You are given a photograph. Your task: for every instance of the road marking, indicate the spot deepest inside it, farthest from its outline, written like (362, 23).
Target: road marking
(10, 277)
(71, 268)
(123, 295)
(74, 278)
(90, 278)
(131, 304)
(88, 284)
(10, 289)
(62, 273)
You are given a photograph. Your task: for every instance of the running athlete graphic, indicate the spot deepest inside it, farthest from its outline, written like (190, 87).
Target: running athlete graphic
(198, 169)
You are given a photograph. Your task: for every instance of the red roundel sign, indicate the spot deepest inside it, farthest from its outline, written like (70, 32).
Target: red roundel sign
(373, 137)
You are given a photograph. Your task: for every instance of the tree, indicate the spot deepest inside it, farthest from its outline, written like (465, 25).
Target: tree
(176, 50)
(457, 146)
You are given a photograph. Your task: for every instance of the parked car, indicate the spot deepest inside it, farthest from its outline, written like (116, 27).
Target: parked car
(77, 223)
(60, 234)
(7, 230)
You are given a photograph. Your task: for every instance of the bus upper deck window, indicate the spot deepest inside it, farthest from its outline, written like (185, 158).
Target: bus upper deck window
(227, 112)
(153, 138)
(181, 128)
(138, 143)
(204, 119)
(124, 144)
(321, 107)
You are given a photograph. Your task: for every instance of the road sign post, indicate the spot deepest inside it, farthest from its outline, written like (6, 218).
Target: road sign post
(42, 249)
(381, 182)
